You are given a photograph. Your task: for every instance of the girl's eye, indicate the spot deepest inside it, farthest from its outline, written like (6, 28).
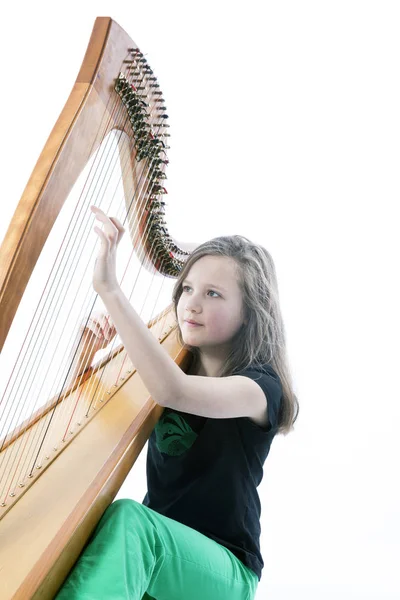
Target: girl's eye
(188, 286)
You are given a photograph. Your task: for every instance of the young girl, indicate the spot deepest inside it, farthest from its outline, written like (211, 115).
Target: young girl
(197, 532)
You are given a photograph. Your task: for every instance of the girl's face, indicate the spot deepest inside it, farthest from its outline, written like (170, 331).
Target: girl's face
(212, 297)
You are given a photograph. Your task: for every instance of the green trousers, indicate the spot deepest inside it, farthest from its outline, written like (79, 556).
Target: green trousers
(137, 554)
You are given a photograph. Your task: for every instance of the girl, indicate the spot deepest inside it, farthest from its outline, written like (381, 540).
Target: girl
(196, 533)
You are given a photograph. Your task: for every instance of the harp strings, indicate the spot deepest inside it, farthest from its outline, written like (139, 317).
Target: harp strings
(76, 229)
(59, 415)
(16, 457)
(138, 199)
(74, 243)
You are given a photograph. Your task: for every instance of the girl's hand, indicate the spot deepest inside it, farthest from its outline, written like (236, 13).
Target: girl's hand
(99, 331)
(93, 336)
(104, 276)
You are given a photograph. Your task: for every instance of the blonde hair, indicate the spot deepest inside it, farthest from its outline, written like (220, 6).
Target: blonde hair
(262, 340)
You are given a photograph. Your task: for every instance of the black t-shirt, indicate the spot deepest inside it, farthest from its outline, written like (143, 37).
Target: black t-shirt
(204, 472)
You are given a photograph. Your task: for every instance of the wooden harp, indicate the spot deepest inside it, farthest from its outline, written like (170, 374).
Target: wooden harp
(67, 447)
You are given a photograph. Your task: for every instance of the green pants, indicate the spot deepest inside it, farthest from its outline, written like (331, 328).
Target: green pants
(137, 554)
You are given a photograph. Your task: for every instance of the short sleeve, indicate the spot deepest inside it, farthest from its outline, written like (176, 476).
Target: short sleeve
(270, 384)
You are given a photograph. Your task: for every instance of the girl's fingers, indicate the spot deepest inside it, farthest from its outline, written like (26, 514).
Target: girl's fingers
(95, 327)
(110, 230)
(120, 227)
(106, 329)
(102, 326)
(117, 224)
(112, 226)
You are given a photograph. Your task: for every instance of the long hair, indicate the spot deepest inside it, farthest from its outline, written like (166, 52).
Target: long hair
(262, 340)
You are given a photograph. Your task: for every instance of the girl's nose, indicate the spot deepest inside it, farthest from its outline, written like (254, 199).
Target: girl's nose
(193, 305)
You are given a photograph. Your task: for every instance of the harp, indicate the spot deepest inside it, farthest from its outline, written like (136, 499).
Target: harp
(67, 446)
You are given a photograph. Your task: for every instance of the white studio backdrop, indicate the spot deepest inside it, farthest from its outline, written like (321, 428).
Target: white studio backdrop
(285, 128)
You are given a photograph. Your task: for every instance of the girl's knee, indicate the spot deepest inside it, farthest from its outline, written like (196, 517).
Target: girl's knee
(120, 510)
(119, 514)
(127, 513)
(124, 505)
(124, 502)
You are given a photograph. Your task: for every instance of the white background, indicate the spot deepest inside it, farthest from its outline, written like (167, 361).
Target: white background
(286, 129)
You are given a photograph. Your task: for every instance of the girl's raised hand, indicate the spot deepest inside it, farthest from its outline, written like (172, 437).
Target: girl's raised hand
(104, 276)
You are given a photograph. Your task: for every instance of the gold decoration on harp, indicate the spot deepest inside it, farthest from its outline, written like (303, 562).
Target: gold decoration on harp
(68, 441)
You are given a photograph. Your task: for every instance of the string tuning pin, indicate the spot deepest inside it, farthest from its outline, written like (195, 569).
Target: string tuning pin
(161, 190)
